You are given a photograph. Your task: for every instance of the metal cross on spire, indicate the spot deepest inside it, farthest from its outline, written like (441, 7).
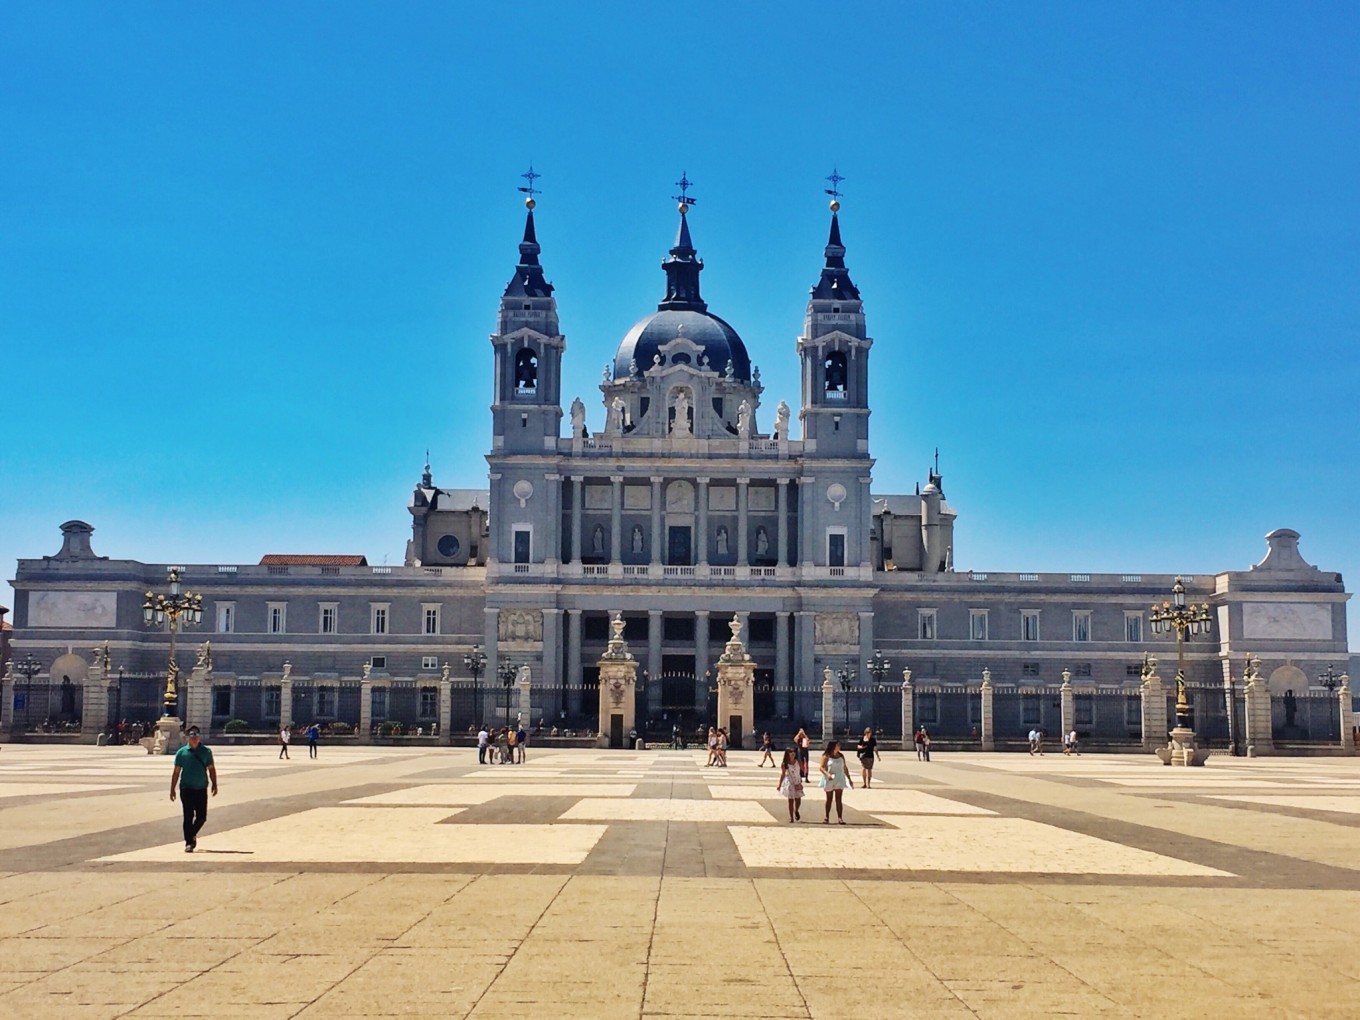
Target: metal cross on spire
(835, 179)
(684, 184)
(531, 176)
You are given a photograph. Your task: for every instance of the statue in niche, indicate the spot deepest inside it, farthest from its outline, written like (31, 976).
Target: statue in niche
(762, 542)
(722, 540)
(578, 419)
(681, 423)
(604, 376)
(781, 421)
(744, 419)
(637, 538)
(618, 416)
(597, 540)
(729, 370)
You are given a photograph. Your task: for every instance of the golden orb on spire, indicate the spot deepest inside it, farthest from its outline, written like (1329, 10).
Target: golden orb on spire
(683, 209)
(529, 203)
(835, 206)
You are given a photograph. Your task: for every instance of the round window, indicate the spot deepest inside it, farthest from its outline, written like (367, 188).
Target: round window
(448, 546)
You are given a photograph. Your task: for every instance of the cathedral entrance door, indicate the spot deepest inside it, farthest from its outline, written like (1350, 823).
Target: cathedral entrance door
(680, 551)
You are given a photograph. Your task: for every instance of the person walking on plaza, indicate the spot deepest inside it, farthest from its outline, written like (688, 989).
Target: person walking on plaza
(791, 783)
(521, 742)
(193, 775)
(867, 751)
(1072, 743)
(722, 748)
(1033, 740)
(712, 747)
(919, 739)
(768, 749)
(313, 735)
(483, 738)
(835, 779)
(285, 735)
(803, 742)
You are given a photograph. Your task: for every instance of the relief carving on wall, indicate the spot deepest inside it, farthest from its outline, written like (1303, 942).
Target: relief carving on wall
(520, 625)
(837, 629)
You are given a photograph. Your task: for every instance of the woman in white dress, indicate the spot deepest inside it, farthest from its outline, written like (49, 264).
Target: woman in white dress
(835, 778)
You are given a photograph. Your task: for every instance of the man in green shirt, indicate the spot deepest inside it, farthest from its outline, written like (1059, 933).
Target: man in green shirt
(194, 770)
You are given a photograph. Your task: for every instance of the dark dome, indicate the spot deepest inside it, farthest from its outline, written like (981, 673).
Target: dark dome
(719, 341)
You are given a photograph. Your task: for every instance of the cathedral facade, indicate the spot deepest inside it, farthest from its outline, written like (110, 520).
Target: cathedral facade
(687, 502)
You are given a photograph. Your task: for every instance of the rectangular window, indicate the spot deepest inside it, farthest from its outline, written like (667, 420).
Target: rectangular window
(1133, 671)
(226, 617)
(273, 702)
(1029, 669)
(431, 619)
(325, 701)
(1081, 625)
(1133, 627)
(522, 537)
(927, 709)
(377, 661)
(1031, 711)
(221, 702)
(378, 617)
(429, 662)
(925, 624)
(1082, 669)
(1029, 625)
(1133, 711)
(277, 616)
(1085, 709)
(835, 550)
(977, 624)
(330, 613)
(429, 702)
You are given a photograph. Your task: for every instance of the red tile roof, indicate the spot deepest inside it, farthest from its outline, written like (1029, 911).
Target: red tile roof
(310, 560)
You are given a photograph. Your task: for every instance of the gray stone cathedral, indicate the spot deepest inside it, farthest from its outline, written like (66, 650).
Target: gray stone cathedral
(683, 502)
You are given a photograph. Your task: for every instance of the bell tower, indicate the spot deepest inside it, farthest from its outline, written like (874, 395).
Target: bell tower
(527, 412)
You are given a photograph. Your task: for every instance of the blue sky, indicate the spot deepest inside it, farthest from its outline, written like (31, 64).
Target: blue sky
(250, 255)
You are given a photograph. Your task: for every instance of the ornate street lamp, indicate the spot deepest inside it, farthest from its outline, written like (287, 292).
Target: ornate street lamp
(172, 606)
(475, 663)
(506, 671)
(28, 667)
(846, 675)
(1331, 680)
(1182, 618)
(878, 667)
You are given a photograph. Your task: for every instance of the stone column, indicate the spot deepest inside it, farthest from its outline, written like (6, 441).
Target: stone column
(616, 519)
(781, 555)
(1347, 715)
(552, 543)
(782, 697)
(743, 516)
(828, 706)
(655, 557)
(286, 696)
(804, 661)
(577, 485)
(654, 661)
(366, 710)
(552, 664)
(701, 660)
(908, 709)
(94, 706)
(445, 705)
(988, 712)
(525, 683)
(197, 707)
(701, 525)
(575, 677)
(1069, 707)
(1260, 737)
(1154, 708)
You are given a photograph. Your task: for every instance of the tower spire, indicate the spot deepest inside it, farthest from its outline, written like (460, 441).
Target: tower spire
(683, 267)
(528, 280)
(835, 281)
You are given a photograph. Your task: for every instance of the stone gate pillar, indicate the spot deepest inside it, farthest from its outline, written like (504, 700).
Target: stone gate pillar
(736, 688)
(366, 706)
(7, 714)
(1154, 706)
(286, 696)
(908, 709)
(94, 707)
(828, 706)
(1347, 715)
(525, 681)
(618, 686)
(197, 707)
(1260, 739)
(445, 706)
(1069, 705)
(988, 709)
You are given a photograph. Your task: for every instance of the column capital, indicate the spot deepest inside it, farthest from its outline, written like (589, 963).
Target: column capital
(743, 481)
(655, 612)
(783, 482)
(783, 612)
(578, 479)
(702, 480)
(552, 478)
(702, 612)
(657, 479)
(616, 479)
(573, 612)
(547, 611)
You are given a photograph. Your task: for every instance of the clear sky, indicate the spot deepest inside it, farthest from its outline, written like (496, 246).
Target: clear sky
(250, 254)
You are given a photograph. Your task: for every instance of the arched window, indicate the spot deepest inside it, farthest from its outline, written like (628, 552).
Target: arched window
(526, 370)
(835, 371)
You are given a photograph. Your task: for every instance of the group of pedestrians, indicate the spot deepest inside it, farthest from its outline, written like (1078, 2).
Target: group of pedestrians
(833, 776)
(717, 748)
(505, 746)
(313, 734)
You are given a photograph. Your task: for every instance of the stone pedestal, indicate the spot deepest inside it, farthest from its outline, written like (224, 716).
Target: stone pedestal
(988, 713)
(828, 706)
(196, 700)
(94, 707)
(908, 708)
(1181, 750)
(168, 737)
(1347, 716)
(526, 706)
(1069, 705)
(445, 707)
(286, 696)
(366, 710)
(736, 689)
(618, 689)
(1259, 738)
(1154, 707)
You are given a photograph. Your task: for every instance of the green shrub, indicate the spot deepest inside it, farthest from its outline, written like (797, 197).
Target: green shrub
(340, 729)
(390, 728)
(236, 726)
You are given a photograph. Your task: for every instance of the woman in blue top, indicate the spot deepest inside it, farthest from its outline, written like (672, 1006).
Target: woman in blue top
(835, 778)
(313, 733)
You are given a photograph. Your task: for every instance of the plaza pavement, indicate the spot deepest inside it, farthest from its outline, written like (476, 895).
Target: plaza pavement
(389, 882)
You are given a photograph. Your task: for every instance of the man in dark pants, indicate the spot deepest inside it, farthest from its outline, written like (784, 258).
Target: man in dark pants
(194, 771)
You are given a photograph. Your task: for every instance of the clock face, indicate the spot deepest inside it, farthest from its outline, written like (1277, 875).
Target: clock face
(448, 546)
